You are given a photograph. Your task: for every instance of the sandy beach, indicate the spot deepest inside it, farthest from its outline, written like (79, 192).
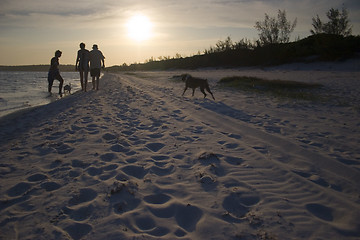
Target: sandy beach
(136, 160)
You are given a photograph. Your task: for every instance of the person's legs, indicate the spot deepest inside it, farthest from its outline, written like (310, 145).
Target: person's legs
(50, 81)
(61, 80)
(95, 74)
(81, 79)
(86, 73)
(50, 84)
(93, 82)
(97, 83)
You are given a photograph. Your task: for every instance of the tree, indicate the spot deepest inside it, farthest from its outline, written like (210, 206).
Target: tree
(338, 23)
(275, 30)
(318, 26)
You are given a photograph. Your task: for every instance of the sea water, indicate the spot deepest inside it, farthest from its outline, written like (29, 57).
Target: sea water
(21, 90)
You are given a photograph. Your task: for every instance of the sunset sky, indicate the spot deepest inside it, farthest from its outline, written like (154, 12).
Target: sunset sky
(31, 31)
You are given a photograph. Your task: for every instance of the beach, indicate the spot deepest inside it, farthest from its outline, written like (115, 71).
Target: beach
(136, 160)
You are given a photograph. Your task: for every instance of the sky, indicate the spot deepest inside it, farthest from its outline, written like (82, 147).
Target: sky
(31, 31)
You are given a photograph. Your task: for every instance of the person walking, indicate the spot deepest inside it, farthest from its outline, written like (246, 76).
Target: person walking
(82, 65)
(54, 72)
(97, 61)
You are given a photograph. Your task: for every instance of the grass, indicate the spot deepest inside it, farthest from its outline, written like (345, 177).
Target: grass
(278, 88)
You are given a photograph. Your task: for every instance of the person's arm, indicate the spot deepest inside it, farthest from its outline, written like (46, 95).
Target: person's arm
(54, 63)
(77, 61)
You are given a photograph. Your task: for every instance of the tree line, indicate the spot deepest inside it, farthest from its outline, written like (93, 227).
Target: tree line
(277, 30)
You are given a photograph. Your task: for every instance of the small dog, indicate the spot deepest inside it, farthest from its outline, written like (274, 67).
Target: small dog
(67, 88)
(192, 82)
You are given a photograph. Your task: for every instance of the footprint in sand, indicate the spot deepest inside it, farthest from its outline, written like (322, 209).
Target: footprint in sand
(109, 172)
(318, 180)
(119, 148)
(50, 186)
(108, 157)
(231, 145)
(148, 225)
(233, 160)
(63, 148)
(320, 211)
(212, 163)
(240, 202)
(235, 136)
(145, 223)
(19, 189)
(85, 120)
(156, 135)
(79, 214)
(55, 136)
(186, 216)
(160, 198)
(78, 230)
(85, 195)
(74, 173)
(155, 147)
(135, 171)
(160, 157)
(6, 169)
(162, 171)
(44, 149)
(94, 171)
(123, 197)
(108, 137)
(79, 164)
(37, 177)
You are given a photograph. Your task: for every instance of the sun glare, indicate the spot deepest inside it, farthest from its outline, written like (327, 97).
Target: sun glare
(139, 28)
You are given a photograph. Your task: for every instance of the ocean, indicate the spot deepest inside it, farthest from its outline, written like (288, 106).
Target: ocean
(21, 90)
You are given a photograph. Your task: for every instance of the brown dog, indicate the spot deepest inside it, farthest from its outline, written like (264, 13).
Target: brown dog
(192, 82)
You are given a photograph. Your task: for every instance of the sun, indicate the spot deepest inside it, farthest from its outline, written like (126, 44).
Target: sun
(139, 28)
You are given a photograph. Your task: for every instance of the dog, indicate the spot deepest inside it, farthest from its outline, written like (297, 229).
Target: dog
(67, 87)
(192, 82)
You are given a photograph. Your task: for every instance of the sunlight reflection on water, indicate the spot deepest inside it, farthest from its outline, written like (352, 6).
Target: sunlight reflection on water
(20, 90)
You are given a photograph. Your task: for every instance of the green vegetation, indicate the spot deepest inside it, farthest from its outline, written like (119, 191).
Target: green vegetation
(319, 47)
(278, 88)
(338, 23)
(275, 30)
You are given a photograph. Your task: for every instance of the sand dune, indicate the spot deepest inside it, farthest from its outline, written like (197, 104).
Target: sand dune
(135, 160)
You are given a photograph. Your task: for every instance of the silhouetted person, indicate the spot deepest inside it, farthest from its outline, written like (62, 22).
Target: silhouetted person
(54, 72)
(96, 58)
(82, 65)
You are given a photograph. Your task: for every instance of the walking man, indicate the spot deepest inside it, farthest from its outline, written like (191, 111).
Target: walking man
(82, 65)
(96, 63)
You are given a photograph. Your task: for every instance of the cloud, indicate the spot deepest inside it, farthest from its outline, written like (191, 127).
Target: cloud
(184, 26)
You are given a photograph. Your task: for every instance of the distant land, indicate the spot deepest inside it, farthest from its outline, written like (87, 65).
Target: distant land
(320, 47)
(36, 68)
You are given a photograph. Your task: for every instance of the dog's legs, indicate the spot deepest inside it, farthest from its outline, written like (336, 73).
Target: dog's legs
(202, 90)
(208, 89)
(193, 91)
(184, 90)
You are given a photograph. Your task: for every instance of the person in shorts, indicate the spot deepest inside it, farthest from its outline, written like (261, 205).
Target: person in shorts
(82, 65)
(54, 72)
(97, 61)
